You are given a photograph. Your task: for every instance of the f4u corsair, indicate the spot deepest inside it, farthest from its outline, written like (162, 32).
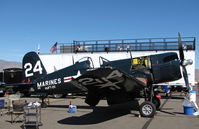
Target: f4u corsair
(118, 81)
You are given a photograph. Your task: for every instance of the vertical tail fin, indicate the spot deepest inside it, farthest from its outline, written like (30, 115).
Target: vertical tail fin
(33, 68)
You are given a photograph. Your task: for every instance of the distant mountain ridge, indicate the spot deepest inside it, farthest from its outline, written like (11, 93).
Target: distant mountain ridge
(9, 64)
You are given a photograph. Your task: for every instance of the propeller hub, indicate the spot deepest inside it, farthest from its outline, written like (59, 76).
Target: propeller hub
(187, 62)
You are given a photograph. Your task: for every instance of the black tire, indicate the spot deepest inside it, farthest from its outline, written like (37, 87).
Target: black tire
(156, 102)
(147, 109)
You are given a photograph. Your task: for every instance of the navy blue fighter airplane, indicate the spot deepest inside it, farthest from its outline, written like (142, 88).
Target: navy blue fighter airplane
(118, 81)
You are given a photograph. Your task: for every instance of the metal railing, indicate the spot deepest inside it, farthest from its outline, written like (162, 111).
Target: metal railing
(145, 44)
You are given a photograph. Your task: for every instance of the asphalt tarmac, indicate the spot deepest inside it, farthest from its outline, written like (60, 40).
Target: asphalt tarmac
(123, 116)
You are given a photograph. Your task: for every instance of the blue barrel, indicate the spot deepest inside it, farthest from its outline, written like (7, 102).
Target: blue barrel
(188, 110)
(72, 109)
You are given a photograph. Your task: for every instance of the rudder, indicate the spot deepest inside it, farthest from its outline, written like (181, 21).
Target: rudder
(33, 67)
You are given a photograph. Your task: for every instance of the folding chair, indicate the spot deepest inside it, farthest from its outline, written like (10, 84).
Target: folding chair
(17, 110)
(10, 100)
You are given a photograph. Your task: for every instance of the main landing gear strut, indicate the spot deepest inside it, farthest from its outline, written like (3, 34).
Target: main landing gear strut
(148, 108)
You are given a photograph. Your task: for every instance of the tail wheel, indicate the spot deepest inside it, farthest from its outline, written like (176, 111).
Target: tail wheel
(44, 105)
(147, 109)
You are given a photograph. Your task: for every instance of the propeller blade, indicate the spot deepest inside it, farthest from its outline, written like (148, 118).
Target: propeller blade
(184, 71)
(180, 48)
(186, 79)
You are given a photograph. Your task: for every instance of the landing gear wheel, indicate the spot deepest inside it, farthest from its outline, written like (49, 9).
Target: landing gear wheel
(147, 109)
(156, 102)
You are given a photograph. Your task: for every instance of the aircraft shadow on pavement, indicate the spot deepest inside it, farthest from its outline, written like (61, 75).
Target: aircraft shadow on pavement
(100, 114)
(78, 106)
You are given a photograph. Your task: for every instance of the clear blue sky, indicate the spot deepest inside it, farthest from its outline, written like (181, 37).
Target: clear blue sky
(26, 23)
